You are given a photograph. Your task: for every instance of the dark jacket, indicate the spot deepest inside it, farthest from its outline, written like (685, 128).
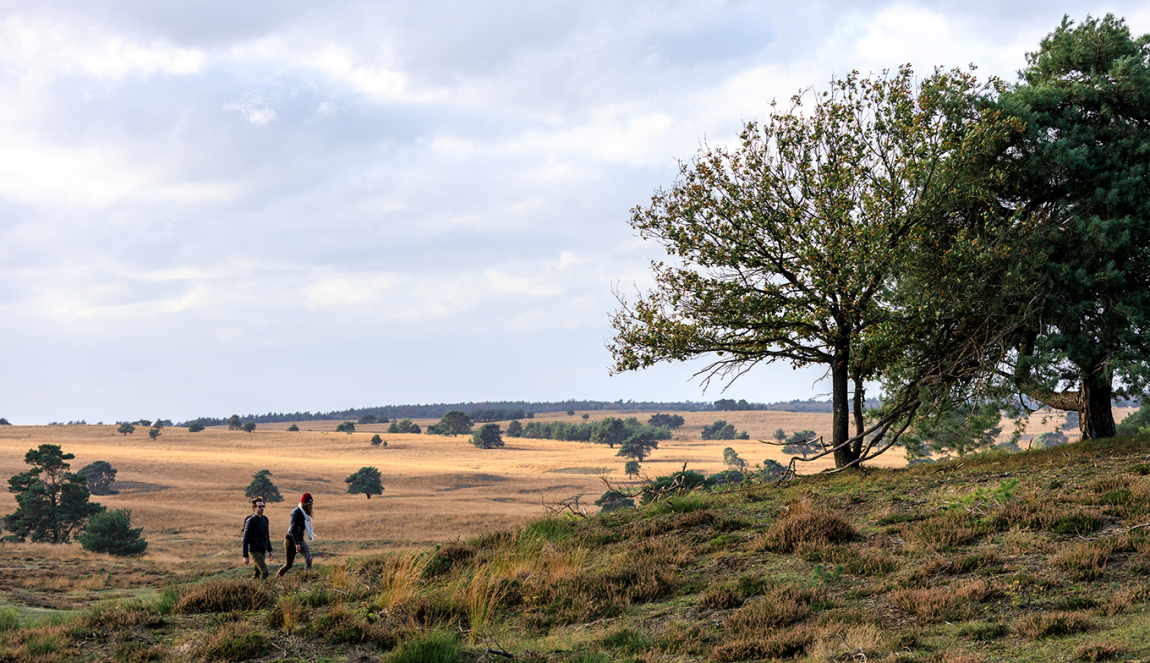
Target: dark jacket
(256, 537)
(298, 526)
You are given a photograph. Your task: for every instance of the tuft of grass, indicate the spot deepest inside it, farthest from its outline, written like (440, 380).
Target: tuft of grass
(803, 526)
(482, 596)
(1086, 561)
(783, 606)
(1037, 626)
(339, 625)
(694, 501)
(236, 641)
(947, 603)
(941, 533)
(223, 596)
(784, 643)
(9, 620)
(1101, 651)
(435, 646)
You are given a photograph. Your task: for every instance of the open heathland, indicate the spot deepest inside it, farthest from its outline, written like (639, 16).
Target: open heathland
(1038, 556)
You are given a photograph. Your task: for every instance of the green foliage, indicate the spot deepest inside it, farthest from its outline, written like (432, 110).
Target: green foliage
(249, 426)
(638, 446)
(99, 475)
(293, 428)
(111, 532)
(721, 430)
(376, 440)
(234, 422)
(514, 428)
(687, 480)
(631, 468)
(487, 437)
(4, 422)
(262, 486)
(669, 420)
(126, 429)
(196, 426)
(960, 430)
(783, 246)
(779, 434)
(802, 443)
(365, 481)
(433, 646)
(613, 500)
(732, 460)
(1049, 440)
(153, 433)
(404, 426)
(452, 423)
(1135, 421)
(52, 503)
(345, 427)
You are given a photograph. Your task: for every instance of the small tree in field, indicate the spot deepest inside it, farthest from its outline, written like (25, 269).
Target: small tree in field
(153, 433)
(126, 429)
(453, 423)
(100, 476)
(780, 434)
(366, 481)
(249, 426)
(262, 485)
(376, 440)
(487, 437)
(514, 428)
(631, 467)
(638, 446)
(293, 428)
(345, 427)
(196, 426)
(111, 532)
(234, 422)
(731, 458)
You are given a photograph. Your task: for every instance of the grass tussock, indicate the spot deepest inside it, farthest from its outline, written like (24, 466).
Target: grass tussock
(224, 596)
(783, 643)
(1086, 561)
(236, 641)
(805, 524)
(782, 606)
(1050, 624)
(1100, 651)
(944, 604)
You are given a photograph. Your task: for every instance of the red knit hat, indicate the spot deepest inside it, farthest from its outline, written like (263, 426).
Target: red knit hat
(305, 499)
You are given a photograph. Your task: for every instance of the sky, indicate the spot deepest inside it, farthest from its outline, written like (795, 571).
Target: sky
(246, 207)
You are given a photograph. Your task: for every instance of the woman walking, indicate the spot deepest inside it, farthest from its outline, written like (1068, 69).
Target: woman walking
(299, 532)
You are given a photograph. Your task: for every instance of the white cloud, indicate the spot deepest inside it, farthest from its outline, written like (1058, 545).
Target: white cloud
(254, 111)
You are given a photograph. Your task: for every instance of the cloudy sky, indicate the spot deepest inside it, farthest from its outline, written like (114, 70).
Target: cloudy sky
(250, 206)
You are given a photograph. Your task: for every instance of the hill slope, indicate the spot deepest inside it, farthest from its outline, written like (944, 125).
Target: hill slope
(1039, 556)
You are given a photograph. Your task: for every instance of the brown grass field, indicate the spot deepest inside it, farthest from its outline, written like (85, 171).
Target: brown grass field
(187, 490)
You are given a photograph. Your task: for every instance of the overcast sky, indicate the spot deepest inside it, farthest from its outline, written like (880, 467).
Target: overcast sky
(249, 206)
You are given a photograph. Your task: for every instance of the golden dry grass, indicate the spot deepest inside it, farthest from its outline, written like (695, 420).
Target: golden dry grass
(186, 490)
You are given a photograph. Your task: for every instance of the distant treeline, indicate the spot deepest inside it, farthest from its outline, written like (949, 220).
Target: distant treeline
(486, 410)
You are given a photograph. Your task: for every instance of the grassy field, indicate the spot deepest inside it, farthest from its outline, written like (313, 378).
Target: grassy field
(1042, 549)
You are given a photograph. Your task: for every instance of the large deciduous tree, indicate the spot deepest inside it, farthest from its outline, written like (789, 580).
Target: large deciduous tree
(1083, 169)
(51, 503)
(782, 248)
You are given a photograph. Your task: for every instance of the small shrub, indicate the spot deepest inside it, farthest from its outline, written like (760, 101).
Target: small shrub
(9, 620)
(722, 597)
(695, 519)
(786, 643)
(111, 532)
(339, 625)
(223, 596)
(941, 533)
(938, 604)
(1044, 625)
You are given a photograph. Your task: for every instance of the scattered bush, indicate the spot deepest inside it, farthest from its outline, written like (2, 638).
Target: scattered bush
(235, 641)
(434, 646)
(805, 525)
(1041, 625)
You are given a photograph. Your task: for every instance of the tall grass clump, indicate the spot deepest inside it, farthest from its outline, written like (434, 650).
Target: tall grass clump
(805, 524)
(224, 596)
(435, 646)
(482, 597)
(9, 620)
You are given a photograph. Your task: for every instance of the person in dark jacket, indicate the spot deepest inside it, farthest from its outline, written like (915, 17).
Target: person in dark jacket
(256, 539)
(299, 533)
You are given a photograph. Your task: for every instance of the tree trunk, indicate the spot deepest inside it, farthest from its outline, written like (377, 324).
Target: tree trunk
(860, 421)
(840, 401)
(1095, 418)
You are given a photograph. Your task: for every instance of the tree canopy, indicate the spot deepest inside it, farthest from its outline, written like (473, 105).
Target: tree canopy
(99, 476)
(365, 481)
(262, 486)
(51, 503)
(781, 249)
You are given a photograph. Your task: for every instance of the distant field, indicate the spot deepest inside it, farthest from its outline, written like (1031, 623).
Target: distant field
(186, 490)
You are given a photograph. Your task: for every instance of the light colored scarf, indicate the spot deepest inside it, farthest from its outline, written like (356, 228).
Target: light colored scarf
(307, 522)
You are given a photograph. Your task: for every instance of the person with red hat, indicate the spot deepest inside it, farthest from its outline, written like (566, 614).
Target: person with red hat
(299, 532)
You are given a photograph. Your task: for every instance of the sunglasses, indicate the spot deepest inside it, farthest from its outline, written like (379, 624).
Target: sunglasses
(259, 506)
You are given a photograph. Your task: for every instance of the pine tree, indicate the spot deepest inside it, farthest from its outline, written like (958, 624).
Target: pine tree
(262, 485)
(366, 481)
(111, 532)
(52, 503)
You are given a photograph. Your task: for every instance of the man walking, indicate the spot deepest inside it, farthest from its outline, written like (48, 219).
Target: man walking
(256, 540)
